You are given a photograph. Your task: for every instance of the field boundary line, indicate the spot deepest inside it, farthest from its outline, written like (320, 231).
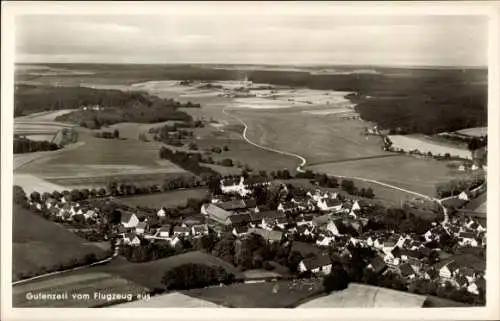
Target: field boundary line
(106, 260)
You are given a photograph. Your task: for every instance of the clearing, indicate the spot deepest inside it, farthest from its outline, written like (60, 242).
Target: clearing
(83, 286)
(168, 199)
(40, 245)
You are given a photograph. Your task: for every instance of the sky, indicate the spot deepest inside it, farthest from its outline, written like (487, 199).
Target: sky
(423, 40)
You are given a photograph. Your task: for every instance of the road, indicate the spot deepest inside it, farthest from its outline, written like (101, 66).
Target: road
(303, 163)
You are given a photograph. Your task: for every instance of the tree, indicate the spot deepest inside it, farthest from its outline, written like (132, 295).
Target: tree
(79, 219)
(294, 260)
(76, 195)
(85, 193)
(116, 134)
(35, 197)
(192, 275)
(227, 162)
(19, 196)
(338, 279)
(369, 193)
(101, 192)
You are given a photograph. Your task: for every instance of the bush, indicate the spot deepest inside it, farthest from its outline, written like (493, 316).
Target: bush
(191, 275)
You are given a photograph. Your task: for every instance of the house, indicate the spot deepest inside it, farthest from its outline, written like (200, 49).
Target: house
(234, 186)
(287, 207)
(269, 236)
(329, 204)
(448, 270)
(161, 212)
(355, 206)
(141, 227)
(233, 205)
(191, 221)
(316, 264)
(181, 231)
(473, 288)
(132, 239)
(305, 220)
(461, 168)
(129, 219)
(256, 218)
(463, 196)
(282, 222)
(324, 240)
(90, 214)
(238, 219)
(377, 265)
(217, 214)
(304, 230)
(332, 227)
(199, 230)
(164, 231)
(467, 239)
(268, 223)
(406, 271)
(468, 273)
(239, 231)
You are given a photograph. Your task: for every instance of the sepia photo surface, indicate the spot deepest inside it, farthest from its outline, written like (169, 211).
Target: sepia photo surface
(238, 159)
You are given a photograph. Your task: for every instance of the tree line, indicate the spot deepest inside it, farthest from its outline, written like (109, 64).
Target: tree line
(25, 145)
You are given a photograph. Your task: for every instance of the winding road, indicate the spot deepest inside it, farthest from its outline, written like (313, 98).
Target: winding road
(303, 163)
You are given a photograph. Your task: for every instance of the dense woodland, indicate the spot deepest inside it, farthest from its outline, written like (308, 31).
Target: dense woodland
(25, 145)
(117, 106)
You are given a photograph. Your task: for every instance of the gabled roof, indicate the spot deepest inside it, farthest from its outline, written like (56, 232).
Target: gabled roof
(127, 216)
(257, 217)
(266, 234)
(250, 203)
(378, 264)
(467, 235)
(451, 265)
(406, 269)
(217, 213)
(181, 229)
(239, 218)
(321, 220)
(316, 262)
(281, 220)
(332, 202)
(142, 225)
(200, 228)
(241, 229)
(396, 252)
(237, 204)
(131, 236)
(165, 228)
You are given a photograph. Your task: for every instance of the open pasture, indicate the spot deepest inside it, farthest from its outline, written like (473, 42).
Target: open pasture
(40, 245)
(426, 144)
(414, 174)
(475, 131)
(80, 290)
(169, 300)
(149, 274)
(168, 199)
(277, 294)
(318, 138)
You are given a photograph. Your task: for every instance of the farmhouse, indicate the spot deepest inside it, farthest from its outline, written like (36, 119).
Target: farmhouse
(448, 270)
(234, 186)
(238, 219)
(316, 264)
(132, 239)
(234, 205)
(329, 204)
(141, 227)
(181, 231)
(216, 214)
(199, 230)
(161, 212)
(163, 231)
(129, 220)
(269, 236)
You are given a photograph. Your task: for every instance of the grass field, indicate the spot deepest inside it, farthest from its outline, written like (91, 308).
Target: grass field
(31, 183)
(425, 144)
(278, 294)
(318, 138)
(78, 285)
(475, 131)
(419, 175)
(364, 296)
(38, 243)
(149, 274)
(169, 199)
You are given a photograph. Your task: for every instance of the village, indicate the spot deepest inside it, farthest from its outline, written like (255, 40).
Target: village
(318, 224)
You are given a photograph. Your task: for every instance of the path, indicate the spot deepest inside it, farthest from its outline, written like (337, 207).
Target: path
(303, 163)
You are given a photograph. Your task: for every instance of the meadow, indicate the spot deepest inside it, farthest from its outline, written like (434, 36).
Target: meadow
(169, 199)
(426, 144)
(40, 245)
(78, 284)
(419, 175)
(276, 294)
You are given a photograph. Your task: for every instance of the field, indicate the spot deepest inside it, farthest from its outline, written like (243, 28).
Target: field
(149, 274)
(78, 285)
(278, 294)
(170, 300)
(40, 244)
(425, 145)
(318, 138)
(169, 199)
(414, 174)
(31, 183)
(364, 296)
(475, 131)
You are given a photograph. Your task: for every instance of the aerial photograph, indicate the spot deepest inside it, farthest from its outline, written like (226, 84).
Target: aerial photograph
(249, 161)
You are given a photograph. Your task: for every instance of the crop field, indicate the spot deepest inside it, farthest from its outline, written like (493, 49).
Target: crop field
(318, 138)
(414, 174)
(364, 296)
(31, 183)
(425, 145)
(169, 199)
(80, 285)
(278, 294)
(40, 244)
(149, 274)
